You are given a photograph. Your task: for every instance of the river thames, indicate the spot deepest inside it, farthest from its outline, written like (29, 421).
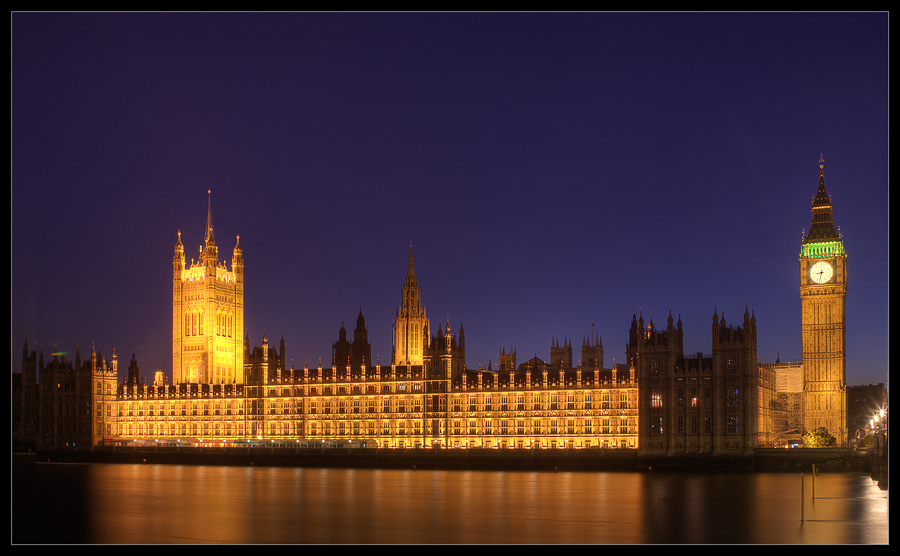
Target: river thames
(186, 504)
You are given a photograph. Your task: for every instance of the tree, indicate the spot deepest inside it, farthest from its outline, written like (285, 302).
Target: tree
(819, 438)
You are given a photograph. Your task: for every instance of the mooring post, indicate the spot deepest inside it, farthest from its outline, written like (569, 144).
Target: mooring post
(814, 481)
(801, 497)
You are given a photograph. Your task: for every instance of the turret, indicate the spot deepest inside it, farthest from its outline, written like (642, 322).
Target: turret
(237, 261)
(134, 372)
(178, 258)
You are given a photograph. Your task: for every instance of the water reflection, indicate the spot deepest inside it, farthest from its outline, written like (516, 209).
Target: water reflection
(253, 505)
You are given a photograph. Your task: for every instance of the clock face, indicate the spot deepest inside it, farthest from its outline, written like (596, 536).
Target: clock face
(821, 272)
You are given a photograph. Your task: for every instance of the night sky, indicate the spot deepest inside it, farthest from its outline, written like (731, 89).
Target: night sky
(554, 173)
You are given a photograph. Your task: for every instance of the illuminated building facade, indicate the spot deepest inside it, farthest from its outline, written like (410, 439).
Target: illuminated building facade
(207, 314)
(394, 407)
(823, 292)
(429, 400)
(661, 401)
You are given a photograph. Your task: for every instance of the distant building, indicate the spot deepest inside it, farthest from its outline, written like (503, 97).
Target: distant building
(864, 403)
(26, 426)
(67, 403)
(506, 361)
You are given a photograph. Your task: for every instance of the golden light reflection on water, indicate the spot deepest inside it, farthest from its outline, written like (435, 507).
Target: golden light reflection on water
(252, 505)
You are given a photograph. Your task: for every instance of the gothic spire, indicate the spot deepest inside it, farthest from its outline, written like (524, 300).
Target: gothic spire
(209, 253)
(208, 236)
(411, 270)
(821, 226)
(410, 286)
(821, 198)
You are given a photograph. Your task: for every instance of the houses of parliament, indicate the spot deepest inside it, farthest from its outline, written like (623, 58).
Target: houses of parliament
(660, 401)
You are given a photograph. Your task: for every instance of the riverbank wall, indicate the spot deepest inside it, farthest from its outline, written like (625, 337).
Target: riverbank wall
(763, 459)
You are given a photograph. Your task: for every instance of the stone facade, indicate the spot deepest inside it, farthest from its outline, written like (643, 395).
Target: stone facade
(208, 314)
(661, 401)
(823, 292)
(699, 403)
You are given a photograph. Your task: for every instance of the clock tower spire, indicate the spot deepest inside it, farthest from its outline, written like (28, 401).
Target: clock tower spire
(823, 292)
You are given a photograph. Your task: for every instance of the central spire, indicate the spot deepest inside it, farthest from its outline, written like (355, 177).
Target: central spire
(411, 270)
(209, 253)
(410, 324)
(208, 237)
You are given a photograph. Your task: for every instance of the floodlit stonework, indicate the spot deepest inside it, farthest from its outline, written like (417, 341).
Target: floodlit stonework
(208, 314)
(660, 401)
(823, 294)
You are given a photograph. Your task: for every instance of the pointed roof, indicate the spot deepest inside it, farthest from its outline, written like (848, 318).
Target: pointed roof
(208, 236)
(821, 226)
(411, 282)
(360, 322)
(209, 253)
(411, 269)
(822, 198)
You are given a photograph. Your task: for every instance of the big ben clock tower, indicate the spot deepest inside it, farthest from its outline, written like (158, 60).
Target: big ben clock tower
(823, 291)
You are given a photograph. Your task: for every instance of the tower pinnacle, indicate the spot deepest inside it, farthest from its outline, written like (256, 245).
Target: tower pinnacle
(209, 227)
(821, 228)
(411, 324)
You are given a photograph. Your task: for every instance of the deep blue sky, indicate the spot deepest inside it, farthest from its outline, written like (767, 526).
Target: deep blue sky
(552, 171)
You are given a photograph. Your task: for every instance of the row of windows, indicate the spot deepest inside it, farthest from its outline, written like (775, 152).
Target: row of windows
(391, 404)
(175, 409)
(695, 425)
(732, 397)
(731, 367)
(178, 429)
(193, 324)
(354, 390)
(485, 427)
